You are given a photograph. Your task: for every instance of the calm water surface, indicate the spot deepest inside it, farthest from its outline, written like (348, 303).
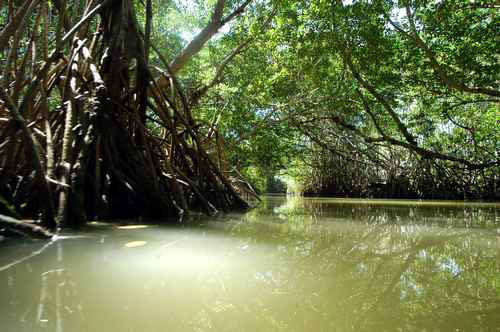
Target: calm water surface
(292, 264)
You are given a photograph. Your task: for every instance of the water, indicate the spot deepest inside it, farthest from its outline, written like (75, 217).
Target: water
(290, 265)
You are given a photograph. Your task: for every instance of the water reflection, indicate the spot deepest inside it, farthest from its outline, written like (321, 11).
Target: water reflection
(132, 226)
(290, 265)
(134, 244)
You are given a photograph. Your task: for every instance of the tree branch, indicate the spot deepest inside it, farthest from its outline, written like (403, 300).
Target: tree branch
(429, 53)
(216, 22)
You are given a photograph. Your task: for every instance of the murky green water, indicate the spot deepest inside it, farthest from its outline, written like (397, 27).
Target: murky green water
(289, 265)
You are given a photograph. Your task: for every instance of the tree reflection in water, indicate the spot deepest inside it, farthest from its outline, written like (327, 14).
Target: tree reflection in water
(290, 265)
(390, 265)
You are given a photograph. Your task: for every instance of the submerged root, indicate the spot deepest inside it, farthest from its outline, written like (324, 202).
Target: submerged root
(24, 228)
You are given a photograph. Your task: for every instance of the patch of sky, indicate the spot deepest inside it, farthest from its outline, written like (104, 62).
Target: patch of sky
(361, 267)
(266, 112)
(189, 35)
(189, 7)
(407, 285)
(267, 277)
(449, 264)
(423, 254)
(445, 128)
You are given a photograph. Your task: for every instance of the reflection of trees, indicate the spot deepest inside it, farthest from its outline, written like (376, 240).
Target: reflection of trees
(382, 272)
(41, 311)
(299, 266)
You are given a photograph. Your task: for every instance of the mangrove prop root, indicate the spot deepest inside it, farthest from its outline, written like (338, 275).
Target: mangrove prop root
(26, 228)
(88, 147)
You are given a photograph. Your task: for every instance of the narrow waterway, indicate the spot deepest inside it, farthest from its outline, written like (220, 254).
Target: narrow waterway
(292, 264)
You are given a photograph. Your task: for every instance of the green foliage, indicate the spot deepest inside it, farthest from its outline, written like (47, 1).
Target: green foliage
(287, 95)
(295, 83)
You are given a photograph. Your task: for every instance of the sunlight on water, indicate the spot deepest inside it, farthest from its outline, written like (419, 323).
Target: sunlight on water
(132, 226)
(134, 244)
(291, 264)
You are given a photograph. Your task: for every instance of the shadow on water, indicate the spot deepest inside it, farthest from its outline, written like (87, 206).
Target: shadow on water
(292, 264)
